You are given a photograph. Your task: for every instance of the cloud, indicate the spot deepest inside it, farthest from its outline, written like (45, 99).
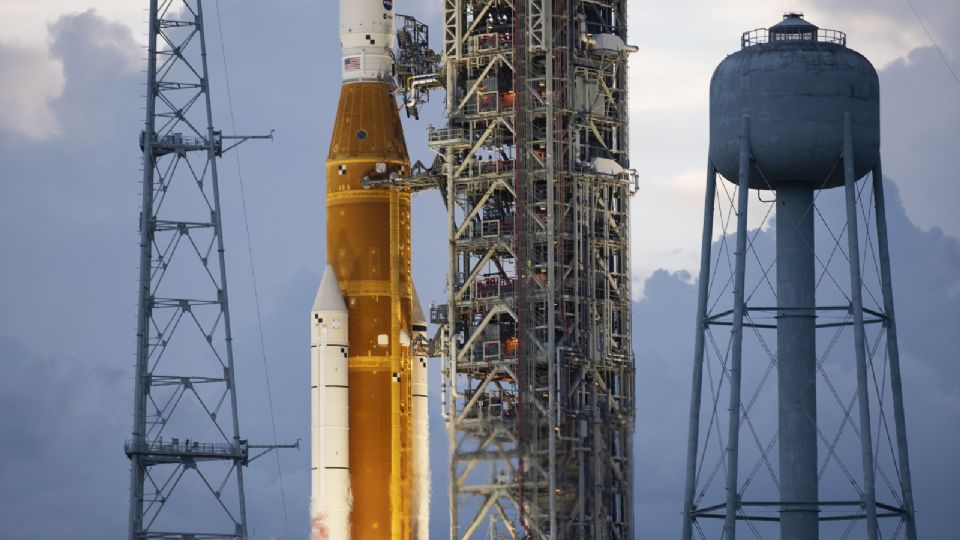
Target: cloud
(95, 53)
(62, 445)
(920, 112)
(26, 22)
(35, 79)
(31, 81)
(887, 31)
(671, 202)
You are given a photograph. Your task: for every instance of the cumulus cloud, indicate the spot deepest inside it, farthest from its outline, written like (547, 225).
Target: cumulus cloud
(920, 112)
(62, 438)
(26, 22)
(92, 48)
(32, 80)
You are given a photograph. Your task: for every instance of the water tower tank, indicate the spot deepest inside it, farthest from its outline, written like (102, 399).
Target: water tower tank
(796, 81)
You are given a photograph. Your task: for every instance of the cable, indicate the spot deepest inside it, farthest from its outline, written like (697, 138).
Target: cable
(253, 272)
(934, 42)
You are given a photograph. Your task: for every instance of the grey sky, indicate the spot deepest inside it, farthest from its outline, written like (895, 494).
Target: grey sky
(70, 112)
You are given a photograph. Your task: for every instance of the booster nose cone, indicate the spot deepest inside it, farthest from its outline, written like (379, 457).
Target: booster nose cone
(329, 297)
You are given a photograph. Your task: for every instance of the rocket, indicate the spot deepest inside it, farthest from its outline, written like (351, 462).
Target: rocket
(370, 471)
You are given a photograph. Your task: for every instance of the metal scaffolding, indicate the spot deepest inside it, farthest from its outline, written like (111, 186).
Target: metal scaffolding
(185, 449)
(538, 371)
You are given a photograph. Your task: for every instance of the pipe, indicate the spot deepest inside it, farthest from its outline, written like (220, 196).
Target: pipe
(797, 362)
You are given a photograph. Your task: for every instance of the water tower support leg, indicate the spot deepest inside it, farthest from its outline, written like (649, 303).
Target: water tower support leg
(893, 352)
(693, 437)
(736, 335)
(856, 296)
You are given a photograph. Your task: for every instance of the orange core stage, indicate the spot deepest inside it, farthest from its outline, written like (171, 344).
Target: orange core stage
(368, 245)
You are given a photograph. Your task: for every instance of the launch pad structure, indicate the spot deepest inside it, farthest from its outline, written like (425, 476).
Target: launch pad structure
(538, 371)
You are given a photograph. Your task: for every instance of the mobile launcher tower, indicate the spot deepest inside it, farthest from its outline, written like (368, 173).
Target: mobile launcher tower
(794, 114)
(538, 371)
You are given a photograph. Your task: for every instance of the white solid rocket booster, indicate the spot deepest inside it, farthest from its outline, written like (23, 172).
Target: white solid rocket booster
(421, 424)
(331, 500)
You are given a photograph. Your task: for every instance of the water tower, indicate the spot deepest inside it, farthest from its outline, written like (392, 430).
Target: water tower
(794, 114)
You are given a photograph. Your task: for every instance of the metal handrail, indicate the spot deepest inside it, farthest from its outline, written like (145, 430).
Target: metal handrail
(763, 36)
(445, 135)
(176, 447)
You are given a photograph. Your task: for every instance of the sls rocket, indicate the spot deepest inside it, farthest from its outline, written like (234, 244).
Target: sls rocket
(370, 471)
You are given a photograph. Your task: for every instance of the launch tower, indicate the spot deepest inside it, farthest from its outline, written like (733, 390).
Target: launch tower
(538, 371)
(794, 114)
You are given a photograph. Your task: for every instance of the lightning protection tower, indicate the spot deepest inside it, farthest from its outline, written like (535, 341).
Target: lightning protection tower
(538, 372)
(795, 113)
(186, 453)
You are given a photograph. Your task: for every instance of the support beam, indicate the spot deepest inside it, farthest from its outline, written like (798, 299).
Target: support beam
(859, 336)
(693, 436)
(893, 353)
(736, 335)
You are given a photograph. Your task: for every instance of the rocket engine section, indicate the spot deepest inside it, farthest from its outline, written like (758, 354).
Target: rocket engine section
(368, 252)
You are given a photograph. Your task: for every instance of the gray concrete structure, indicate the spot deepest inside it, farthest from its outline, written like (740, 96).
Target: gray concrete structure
(793, 112)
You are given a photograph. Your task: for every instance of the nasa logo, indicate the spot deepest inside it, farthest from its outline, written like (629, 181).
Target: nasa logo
(388, 4)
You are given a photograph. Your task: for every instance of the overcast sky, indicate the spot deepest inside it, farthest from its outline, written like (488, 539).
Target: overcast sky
(71, 86)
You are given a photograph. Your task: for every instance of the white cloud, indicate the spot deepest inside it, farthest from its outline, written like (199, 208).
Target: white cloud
(32, 79)
(33, 69)
(26, 20)
(667, 222)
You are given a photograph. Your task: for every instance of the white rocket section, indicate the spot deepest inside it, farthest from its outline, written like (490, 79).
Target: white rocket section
(331, 499)
(366, 37)
(421, 425)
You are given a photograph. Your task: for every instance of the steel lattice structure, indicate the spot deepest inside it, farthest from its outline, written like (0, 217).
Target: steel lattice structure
(863, 465)
(186, 439)
(538, 373)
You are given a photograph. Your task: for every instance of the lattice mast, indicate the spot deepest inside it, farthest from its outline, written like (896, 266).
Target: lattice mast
(186, 441)
(538, 375)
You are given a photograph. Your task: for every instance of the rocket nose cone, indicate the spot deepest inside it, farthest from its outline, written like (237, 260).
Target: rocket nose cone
(329, 297)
